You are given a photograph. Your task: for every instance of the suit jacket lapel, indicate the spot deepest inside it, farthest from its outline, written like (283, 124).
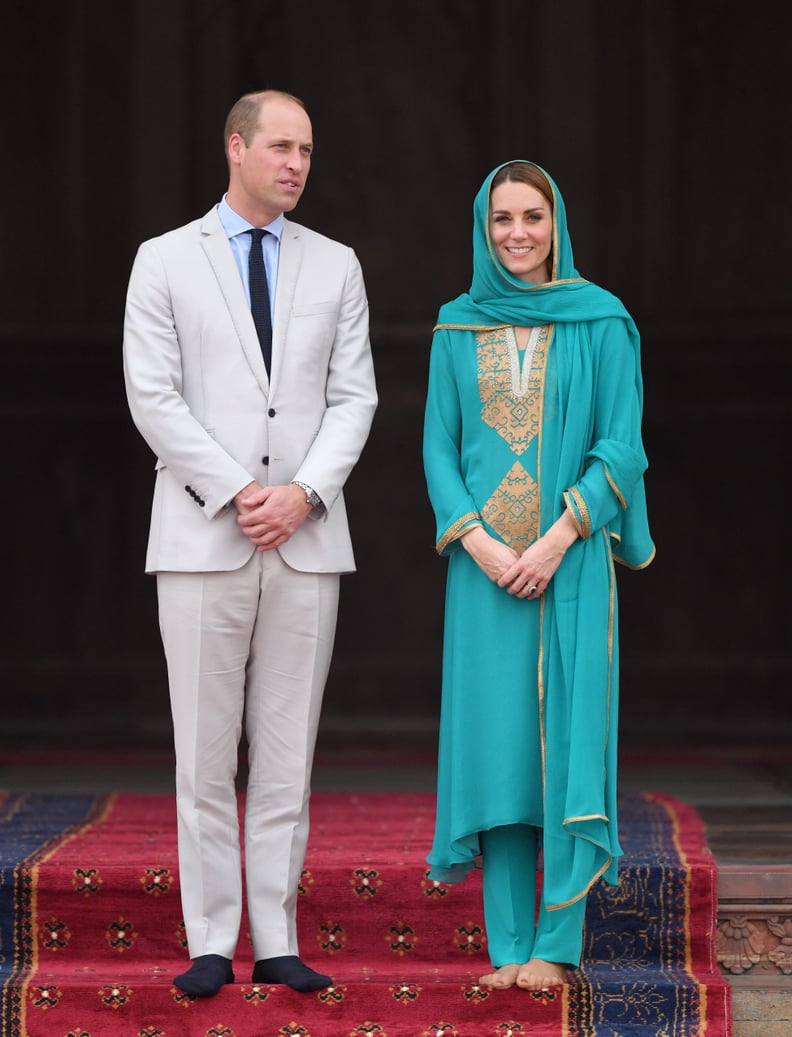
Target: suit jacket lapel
(289, 261)
(218, 252)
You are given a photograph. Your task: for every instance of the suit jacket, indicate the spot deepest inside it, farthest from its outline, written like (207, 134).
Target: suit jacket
(199, 394)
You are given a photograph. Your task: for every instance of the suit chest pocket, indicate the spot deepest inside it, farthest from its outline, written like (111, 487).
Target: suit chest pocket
(313, 327)
(315, 309)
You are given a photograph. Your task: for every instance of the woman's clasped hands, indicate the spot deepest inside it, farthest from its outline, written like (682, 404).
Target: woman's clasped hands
(526, 575)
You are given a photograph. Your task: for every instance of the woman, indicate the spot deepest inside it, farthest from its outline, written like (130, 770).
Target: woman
(534, 465)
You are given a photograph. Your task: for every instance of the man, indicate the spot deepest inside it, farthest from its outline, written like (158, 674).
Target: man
(257, 417)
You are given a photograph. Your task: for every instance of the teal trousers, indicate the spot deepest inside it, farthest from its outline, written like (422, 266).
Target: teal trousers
(517, 928)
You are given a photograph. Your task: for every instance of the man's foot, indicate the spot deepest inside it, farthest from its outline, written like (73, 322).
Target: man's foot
(502, 978)
(207, 974)
(538, 974)
(290, 970)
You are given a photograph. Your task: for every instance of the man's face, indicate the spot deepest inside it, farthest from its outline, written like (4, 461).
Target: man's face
(272, 172)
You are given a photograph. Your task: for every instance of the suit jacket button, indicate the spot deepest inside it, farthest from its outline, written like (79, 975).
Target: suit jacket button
(265, 460)
(271, 412)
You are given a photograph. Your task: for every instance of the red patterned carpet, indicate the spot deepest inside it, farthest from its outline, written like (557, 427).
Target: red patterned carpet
(91, 933)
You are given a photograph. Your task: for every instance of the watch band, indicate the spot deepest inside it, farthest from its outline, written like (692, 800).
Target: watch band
(311, 495)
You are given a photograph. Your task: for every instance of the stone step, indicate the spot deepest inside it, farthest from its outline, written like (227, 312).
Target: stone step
(754, 945)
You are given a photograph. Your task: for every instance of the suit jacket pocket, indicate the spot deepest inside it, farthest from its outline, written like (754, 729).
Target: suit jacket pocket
(311, 309)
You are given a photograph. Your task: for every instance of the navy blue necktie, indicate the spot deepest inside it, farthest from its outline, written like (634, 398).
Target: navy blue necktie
(259, 295)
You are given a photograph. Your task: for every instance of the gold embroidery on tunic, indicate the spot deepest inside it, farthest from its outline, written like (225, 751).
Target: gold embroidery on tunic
(511, 388)
(513, 509)
(511, 398)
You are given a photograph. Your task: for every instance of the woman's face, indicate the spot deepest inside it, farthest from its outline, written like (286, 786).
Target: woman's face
(521, 230)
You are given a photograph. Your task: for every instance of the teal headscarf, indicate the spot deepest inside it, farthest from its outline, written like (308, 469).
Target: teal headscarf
(496, 297)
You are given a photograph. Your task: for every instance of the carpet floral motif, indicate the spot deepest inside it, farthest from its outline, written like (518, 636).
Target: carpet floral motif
(91, 933)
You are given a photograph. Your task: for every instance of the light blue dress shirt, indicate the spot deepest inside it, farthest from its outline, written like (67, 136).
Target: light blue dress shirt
(236, 228)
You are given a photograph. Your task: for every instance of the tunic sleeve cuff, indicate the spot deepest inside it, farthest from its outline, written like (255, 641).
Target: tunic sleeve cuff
(578, 509)
(455, 531)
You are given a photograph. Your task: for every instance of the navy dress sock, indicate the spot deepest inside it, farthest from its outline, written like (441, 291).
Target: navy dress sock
(207, 974)
(290, 970)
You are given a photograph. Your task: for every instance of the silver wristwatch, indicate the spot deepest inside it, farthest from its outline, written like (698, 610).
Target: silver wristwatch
(311, 495)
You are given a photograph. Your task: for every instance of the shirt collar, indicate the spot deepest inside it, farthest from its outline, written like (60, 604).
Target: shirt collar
(234, 224)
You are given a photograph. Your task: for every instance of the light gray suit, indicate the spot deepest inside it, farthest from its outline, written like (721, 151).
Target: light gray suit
(245, 631)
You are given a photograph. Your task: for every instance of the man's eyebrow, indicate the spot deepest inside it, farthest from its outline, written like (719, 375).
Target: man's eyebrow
(290, 140)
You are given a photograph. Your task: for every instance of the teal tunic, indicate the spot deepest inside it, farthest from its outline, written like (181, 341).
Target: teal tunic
(529, 700)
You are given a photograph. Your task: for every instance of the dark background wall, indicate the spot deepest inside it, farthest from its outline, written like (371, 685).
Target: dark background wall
(666, 127)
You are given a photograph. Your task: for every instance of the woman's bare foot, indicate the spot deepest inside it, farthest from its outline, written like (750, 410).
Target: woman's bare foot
(538, 974)
(502, 978)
